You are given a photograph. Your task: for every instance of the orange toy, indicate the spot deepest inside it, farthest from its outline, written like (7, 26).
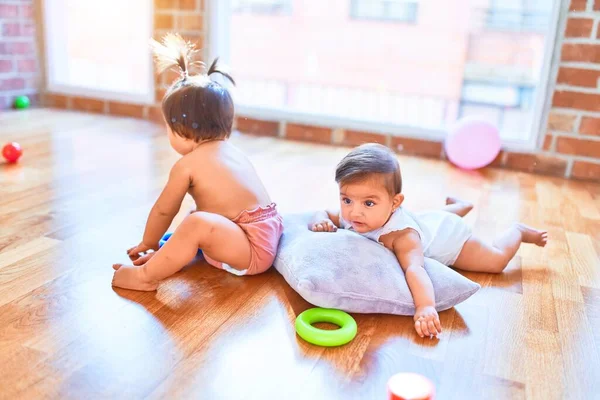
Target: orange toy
(410, 386)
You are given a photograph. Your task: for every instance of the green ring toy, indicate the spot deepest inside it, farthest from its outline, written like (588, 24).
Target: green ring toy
(321, 337)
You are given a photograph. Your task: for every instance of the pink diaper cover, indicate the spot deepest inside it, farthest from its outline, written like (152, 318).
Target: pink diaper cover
(263, 227)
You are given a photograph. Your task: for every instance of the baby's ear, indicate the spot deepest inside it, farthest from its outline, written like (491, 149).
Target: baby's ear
(398, 200)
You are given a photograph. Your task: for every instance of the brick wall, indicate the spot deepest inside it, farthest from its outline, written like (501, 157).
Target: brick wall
(574, 121)
(570, 148)
(19, 65)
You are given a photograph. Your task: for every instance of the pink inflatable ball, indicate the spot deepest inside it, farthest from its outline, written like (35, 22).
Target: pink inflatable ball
(472, 143)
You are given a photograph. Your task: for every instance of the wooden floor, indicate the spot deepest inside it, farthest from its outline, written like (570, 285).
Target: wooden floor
(79, 198)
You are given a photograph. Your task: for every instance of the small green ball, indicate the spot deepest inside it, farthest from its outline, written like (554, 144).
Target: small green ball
(22, 102)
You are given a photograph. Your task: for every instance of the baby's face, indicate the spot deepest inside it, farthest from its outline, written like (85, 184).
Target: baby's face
(367, 205)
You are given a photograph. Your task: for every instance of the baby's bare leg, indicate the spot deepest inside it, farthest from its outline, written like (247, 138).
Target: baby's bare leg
(478, 256)
(457, 206)
(218, 237)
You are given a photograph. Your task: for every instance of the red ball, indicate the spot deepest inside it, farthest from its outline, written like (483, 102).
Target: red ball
(12, 152)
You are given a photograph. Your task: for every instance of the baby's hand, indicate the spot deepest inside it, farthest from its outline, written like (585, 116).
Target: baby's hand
(134, 252)
(427, 322)
(324, 226)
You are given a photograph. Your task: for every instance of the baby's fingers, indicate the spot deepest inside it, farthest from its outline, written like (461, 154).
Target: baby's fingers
(144, 259)
(438, 325)
(331, 227)
(418, 328)
(432, 329)
(424, 329)
(133, 255)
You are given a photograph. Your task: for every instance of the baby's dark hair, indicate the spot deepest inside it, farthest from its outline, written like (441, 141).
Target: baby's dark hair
(368, 160)
(194, 107)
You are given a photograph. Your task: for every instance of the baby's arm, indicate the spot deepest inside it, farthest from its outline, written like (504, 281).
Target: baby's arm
(406, 244)
(325, 221)
(164, 210)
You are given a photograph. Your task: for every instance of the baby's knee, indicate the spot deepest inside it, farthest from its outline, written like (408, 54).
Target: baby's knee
(498, 263)
(199, 222)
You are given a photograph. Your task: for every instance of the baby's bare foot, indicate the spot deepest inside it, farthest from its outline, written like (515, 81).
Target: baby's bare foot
(132, 277)
(461, 207)
(455, 200)
(531, 235)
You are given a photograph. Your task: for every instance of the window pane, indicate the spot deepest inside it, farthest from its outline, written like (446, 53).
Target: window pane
(92, 47)
(451, 61)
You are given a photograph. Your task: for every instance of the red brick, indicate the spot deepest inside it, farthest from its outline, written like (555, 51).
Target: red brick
(586, 170)
(56, 101)
(12, 84)
(597, 5)
(157, 77)
(166, 4)
(169, 76)
(536, 163)
(548, 142)
(590, 126)
(27, 11)
(579, 101)
(155, 114)
(578, 5)
(11, 48)
(416, 147)
(26, 65)
(89, 105)
(164, 21)
(308, 133)
(579, 27)
(12, 29)
(561, 122)
(356, 138)
(28, 29)
(579, 147)
(581, 52)
(191, 22)
(9, 11)
(159, 93)
(6, 66)
(125, 109)
(258, 127)
(188, 4)
(578, 77)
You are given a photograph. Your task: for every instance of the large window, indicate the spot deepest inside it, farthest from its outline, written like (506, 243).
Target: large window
(99, 48)
(345, 63)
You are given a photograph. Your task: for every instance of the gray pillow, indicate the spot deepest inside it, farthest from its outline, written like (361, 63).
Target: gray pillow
(346, 271)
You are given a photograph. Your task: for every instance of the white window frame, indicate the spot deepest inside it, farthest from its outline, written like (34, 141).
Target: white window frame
(59, 88)
(218, 20)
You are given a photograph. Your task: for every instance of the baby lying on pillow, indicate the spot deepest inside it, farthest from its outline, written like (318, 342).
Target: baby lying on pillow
(370, 204)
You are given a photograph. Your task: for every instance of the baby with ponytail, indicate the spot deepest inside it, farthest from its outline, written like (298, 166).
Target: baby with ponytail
(236, 225)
